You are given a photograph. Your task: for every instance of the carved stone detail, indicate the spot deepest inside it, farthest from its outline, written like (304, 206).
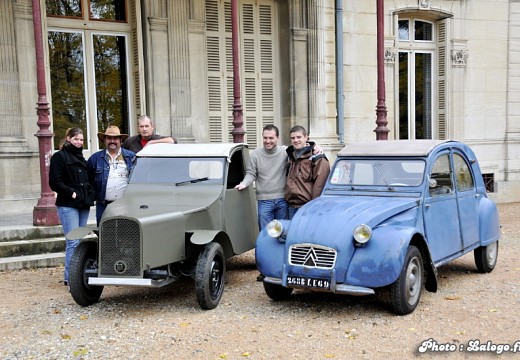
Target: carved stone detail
(459, 57)
(389, 55)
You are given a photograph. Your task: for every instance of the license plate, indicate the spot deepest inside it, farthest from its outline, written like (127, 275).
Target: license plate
(299, 281)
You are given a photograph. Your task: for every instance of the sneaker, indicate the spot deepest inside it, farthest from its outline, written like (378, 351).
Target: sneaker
(66, 282)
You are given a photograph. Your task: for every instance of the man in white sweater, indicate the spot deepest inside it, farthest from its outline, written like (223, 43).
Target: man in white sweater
(267, 168)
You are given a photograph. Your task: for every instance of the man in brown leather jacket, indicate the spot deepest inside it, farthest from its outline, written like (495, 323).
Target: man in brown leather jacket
(306, 172)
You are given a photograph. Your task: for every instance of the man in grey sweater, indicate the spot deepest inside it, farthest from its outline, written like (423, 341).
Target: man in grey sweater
(267, 168)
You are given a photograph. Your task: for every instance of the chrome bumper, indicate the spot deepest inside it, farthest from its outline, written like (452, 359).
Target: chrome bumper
(129, 282)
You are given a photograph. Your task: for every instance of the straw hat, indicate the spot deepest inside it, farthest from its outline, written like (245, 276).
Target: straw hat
(112, 130)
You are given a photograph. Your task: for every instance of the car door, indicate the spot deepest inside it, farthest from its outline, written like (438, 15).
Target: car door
(467, 198)
(441, 215)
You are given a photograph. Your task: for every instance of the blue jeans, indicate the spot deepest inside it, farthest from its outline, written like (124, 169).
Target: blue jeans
(100, 209)
(71, 218)
(292, 211)
(271, 209)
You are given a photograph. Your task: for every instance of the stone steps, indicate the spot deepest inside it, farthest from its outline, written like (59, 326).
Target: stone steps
(29, 247)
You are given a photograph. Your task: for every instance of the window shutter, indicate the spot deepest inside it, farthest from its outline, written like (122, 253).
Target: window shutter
(137, 58)
(441, 79)
(256, 68)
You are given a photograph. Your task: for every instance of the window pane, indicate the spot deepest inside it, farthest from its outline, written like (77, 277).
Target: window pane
(69, 8)
(403, 95)
(404, 30)
(108, 10)
(423, 96)
(111, 81)
(423, 31)
(462, 173)
(67, 83)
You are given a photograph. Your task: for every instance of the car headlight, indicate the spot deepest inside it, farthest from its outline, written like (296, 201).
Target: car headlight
(274, 228)
(362, 233)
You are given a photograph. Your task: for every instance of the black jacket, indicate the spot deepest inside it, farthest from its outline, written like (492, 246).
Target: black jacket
(68, 174)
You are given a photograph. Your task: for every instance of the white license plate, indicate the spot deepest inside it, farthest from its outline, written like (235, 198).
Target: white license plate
(299, 281)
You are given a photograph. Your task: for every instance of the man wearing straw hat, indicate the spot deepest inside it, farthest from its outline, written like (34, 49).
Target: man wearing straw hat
(109, 169)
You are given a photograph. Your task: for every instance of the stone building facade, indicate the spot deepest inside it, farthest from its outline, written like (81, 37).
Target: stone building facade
(452, 70)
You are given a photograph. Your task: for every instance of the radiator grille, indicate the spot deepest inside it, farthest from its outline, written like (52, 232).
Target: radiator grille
(120, 248)
(312, 256)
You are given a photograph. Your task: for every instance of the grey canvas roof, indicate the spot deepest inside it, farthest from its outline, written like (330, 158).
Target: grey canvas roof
(391, 148)
(189, 150)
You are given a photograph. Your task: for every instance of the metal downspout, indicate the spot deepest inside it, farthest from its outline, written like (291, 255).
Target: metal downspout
(340, 103)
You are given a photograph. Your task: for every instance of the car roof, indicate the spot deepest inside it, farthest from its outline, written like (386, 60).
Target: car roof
(392, 148)
(190, 150)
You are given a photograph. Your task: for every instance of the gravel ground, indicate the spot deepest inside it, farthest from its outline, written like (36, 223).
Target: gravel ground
(41, 321)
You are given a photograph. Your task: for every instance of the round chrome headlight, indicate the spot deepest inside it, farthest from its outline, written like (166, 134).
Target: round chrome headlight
(362, 233)
(274, 228)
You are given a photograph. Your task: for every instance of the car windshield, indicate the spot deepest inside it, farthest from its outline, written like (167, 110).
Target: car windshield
(178, 170)
(378, 172)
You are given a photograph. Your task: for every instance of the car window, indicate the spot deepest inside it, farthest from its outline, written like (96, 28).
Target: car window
(463, 175)
(378, 172)
(440, 177)
(175, 170)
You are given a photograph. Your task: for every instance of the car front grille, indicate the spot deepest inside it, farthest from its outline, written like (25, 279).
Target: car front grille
(314, 256)
(120, 248)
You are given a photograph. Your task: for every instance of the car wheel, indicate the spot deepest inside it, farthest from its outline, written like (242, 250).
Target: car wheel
(209, 276)
(486, 257)
(277, 292)
(405, 293)
(83, 258)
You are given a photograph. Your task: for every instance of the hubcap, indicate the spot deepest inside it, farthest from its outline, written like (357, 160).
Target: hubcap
(413, 281)
(216, 277)
(491, 253)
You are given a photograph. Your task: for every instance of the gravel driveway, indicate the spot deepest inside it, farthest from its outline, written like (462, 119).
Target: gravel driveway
(39, 319)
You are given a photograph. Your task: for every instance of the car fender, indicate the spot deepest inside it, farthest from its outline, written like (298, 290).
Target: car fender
(80, 232)
(269, 255)
(489, 229)
(380, 261)
(203, 237)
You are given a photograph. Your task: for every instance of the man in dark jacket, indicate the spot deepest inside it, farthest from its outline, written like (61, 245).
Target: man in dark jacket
(109, 169)
(306, 172)
(146, 136)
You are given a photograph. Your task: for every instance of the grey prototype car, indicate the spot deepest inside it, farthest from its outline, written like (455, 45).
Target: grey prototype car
(180, 216)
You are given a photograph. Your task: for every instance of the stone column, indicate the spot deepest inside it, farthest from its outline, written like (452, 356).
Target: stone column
(179, 62)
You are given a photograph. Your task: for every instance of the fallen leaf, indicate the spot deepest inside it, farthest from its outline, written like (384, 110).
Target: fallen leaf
(223, 356)
(80, 351)
(65, 336)
(411, 329)
(46, 332)
(83, 317)
(184, 324)
(330, 356)
(493, 310)
(452, 298)
(56, 311)
(462, 332)
(245, 354)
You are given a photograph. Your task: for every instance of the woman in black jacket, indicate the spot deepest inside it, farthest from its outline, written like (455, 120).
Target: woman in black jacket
(69, 179)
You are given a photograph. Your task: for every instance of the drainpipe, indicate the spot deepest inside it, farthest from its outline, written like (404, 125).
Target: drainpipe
(381, 121)
(44, 213)
(238, 118)
(340, 103)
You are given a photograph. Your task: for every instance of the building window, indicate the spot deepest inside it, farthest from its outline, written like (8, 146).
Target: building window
(416, 72)
(489, 182)
(88, 59)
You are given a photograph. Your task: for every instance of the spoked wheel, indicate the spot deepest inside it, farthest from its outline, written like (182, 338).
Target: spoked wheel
(83, 258)
(486, 257)
(209, 276)
(277, 292)
(406, 291)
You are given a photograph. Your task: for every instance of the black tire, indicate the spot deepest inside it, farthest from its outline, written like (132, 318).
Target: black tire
(84, 257)
(277, 292)
(405, 293)
(486, 257)
(209, 276)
